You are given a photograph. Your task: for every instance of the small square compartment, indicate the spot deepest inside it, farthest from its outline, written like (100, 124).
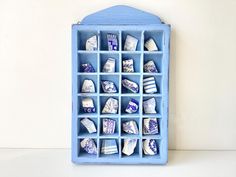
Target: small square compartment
(136, 34)
(112, 78)
(158, 135)
(158, 105)
(104, 41)
(82, 131)
(101, 155)
(81, 79)
(134, 78)
(116, 132)
(124, 134)
(124, 103)
(156, 58)
(87, 58)
(103, 100)
(82, 153)
(80, 107)
(104, 57)
(157, 36)
(136, 61)
(83, 36)
(158, 149)
(158, 80)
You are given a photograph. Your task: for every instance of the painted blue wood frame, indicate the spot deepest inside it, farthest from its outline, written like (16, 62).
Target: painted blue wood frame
(121, 20)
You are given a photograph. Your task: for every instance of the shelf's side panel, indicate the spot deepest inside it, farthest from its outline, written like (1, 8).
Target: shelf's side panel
(74, 93)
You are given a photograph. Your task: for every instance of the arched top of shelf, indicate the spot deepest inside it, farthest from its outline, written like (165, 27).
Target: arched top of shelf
(121, 15)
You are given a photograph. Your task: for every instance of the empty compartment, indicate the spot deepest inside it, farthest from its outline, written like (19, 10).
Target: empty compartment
(157, 155)
(130, 135)
(112, 78)
(103, 60)
(83, 36)
(81, 79)
(136, 61)
(157, 36)
(158, 83)
(84, 154)
(125, 102)
(80, 107)
(83, 131)
(104, 40)
(85, 58)
(156, 58)
(158, 102)
(115, 155)
(156, 135)
(133, 78)
(135, 34)
(136, 152)
(103, 100)
(116, 131)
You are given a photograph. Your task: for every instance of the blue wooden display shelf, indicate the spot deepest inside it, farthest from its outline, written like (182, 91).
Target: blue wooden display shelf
(121, 20)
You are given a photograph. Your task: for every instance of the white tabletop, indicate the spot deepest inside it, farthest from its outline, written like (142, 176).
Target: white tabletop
(56, 163)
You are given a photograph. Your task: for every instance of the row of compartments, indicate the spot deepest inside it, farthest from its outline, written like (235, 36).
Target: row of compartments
(99, 62)
(116, 79)
(83, 132)
(138, 151)
(141, 36)
(99, 105)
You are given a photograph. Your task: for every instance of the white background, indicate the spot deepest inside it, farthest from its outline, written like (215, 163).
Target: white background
(35, 70)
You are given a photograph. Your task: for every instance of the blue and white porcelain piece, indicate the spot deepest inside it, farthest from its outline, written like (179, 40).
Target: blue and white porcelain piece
(151, 45)
(89, 146)
(130, 43)
(112, 42)
(149, 106)
(88, 105)
(89, 125)
(130, 85)
(149, 85)
(132, 106)
(91, 43)
(109, 147)
(108, 126)
(109, 87)
(129, 146)
(88, 86)
(150, 67)
(150, 126)
(130, 127)
(128, 66)
(87, 68)
(111, 106)
(109, 66)
(150, 147)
